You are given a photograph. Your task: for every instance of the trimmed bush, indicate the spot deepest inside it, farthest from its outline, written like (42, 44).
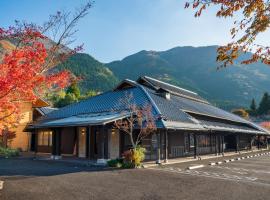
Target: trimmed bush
(7, 152)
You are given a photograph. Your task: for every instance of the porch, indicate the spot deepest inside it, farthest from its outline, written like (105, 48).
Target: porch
(97, 143)
(103, 142)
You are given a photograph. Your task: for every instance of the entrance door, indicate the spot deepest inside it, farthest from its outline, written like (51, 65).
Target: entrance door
(82, 142)
(189, 144)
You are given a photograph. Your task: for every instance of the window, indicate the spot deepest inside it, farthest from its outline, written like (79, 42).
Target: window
(45, 138)
(204, 141)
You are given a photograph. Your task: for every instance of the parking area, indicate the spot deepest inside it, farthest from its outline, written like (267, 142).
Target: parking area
(249, 169)
(48, 180)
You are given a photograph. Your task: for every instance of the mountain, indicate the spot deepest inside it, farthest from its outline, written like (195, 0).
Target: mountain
(195, 68)
(93, 74)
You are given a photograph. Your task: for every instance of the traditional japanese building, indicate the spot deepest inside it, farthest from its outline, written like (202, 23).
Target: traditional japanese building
(187, 125)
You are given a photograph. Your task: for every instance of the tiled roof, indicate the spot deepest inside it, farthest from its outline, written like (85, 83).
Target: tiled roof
(177, 111)
(172, 88)
(105, 102)
(84, 119)
(168, 108)
(214, 125)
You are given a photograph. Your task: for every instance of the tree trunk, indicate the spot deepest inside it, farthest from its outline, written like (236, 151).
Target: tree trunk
(5, 138)
(132, 141)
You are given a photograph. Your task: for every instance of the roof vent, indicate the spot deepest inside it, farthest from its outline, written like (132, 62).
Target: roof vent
(164, 93)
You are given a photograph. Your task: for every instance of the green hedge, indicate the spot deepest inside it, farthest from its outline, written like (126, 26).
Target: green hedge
(7, 152)
(115, 163)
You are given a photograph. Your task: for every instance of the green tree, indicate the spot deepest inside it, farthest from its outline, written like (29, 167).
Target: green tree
(72, 95)
(74, 89)
(68, 99)
(253, 108)
(264, 104)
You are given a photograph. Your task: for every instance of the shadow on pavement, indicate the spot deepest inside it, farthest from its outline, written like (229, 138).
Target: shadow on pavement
(14, 167)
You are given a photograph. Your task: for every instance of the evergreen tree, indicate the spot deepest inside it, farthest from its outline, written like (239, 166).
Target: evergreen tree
(253, 108)
(264, 104)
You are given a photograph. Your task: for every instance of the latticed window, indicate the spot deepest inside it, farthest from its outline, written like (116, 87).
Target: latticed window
(45, 138)
(204, 140)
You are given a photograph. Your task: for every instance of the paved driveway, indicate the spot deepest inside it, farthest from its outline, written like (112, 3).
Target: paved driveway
(27, 180)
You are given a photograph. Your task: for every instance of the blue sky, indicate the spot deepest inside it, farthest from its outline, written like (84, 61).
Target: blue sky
(115, 29)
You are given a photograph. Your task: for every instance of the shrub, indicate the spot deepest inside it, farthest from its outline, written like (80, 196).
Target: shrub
(134, 157)
(7, 152)
(138, 156)
(127, 165)
(115, 163)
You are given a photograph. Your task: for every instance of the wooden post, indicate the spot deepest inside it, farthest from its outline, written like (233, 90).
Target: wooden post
(166, 146)
(53, 143)
(102, 143)
(57, 151)
(211, 143)
(222, 138)
(195, 146)
(237, 143)
(87, 145)
(216, 143)
(219, 144)
(250, 143)
(258, 142)
(101, 155)
(158, 147)
(36, 141)
(161, 144)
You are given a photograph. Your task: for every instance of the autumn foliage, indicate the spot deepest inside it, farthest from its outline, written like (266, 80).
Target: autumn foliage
(28, 56)
(22, 74)
(254, 19)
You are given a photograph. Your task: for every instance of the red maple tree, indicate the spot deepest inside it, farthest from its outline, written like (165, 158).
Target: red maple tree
(22, 78)
(27, 68)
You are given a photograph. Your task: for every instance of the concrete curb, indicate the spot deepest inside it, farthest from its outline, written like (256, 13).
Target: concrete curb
(240, 158)
(195, 166)
(1, 185)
